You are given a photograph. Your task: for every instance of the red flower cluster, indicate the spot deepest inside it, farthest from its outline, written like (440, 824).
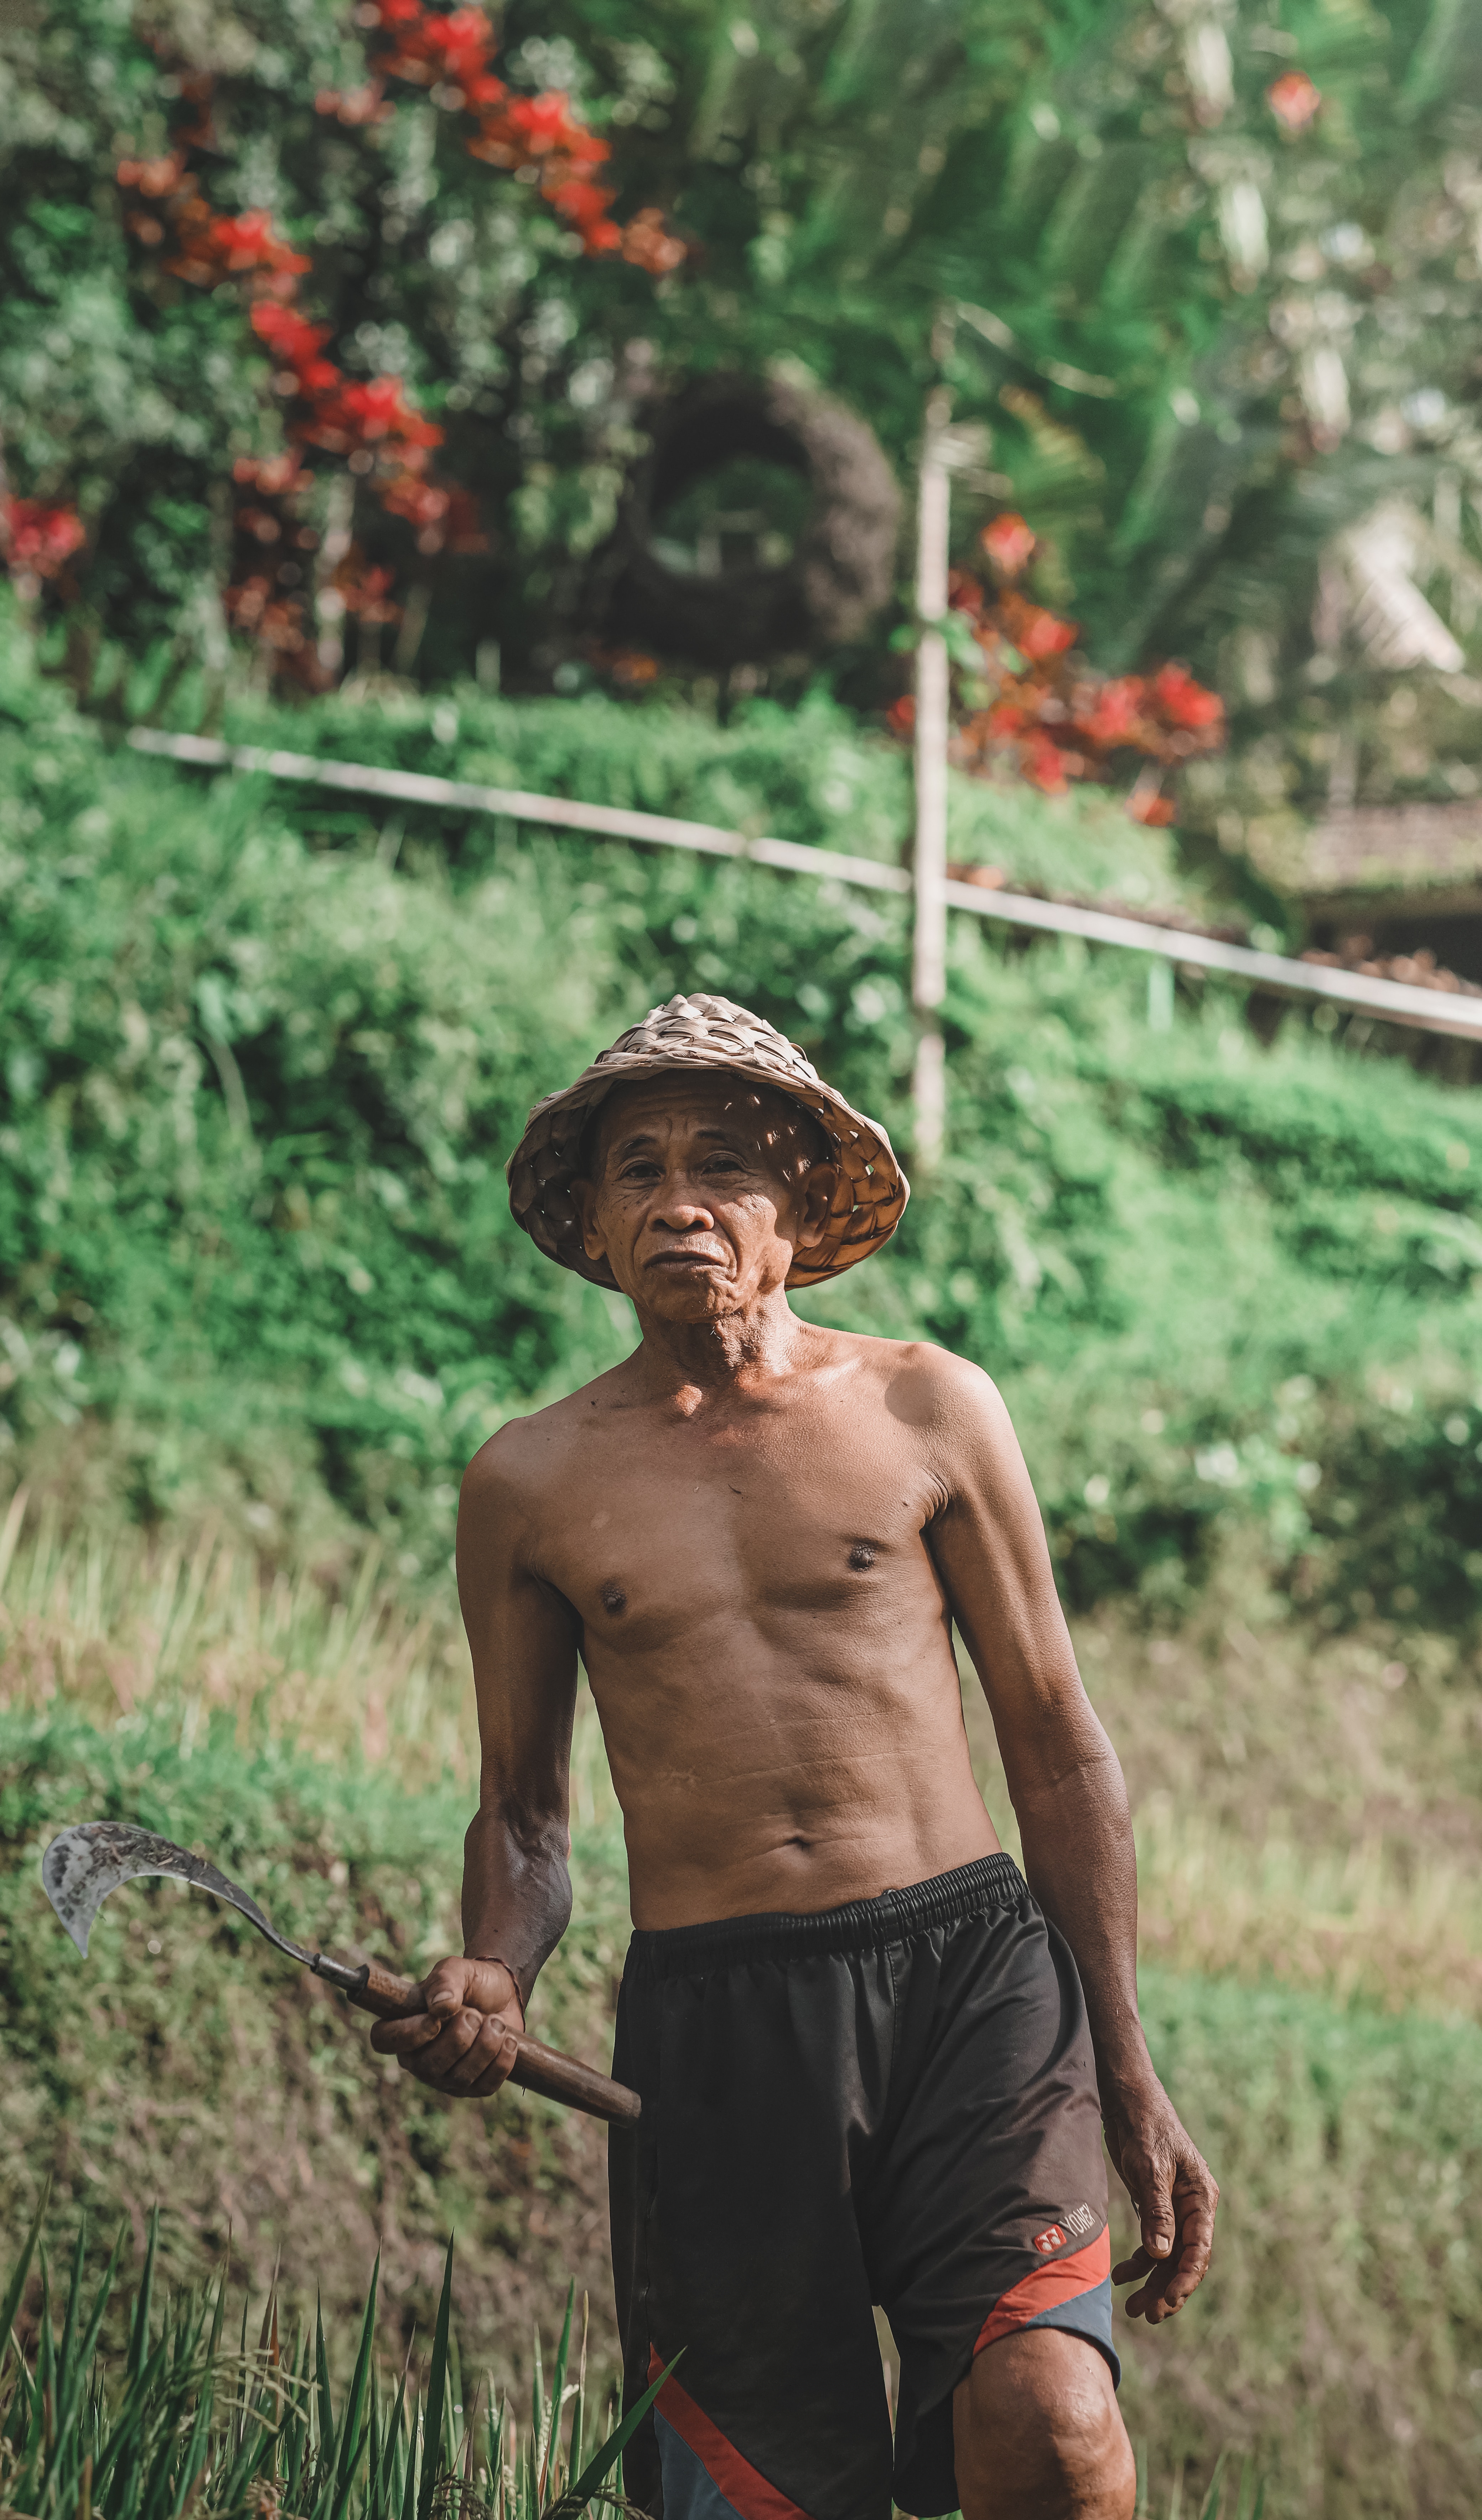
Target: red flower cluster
(451, 53)
(1048, 714)
(275, 550)
(37, 541)
(373, 425)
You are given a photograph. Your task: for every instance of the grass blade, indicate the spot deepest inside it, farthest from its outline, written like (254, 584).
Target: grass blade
(437, 2382)
(578, 2496)
(352, 2431)
(18, 2273)
(552, 2441)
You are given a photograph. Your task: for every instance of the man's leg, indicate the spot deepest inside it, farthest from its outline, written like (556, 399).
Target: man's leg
(1037, 2435)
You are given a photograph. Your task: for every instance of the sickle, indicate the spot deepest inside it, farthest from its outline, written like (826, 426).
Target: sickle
(85, 1863)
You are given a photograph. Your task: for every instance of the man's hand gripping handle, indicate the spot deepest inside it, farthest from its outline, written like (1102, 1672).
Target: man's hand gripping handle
(506, 2052)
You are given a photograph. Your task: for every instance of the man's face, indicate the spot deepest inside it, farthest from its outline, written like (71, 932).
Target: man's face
(701, 1190)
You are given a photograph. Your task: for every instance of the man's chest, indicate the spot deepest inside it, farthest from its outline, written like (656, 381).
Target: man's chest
(653, 1530)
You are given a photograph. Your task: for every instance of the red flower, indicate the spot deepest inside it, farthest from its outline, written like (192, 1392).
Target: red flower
(546, 123)
(1110, 714)
(155, 177)
(1010, 544)
(647, 244)
(1042, 635)
(365, 593)
(248, 243)
(38, 538)
(380, 410)
(900, 716)
(460, 44)
(1293, 100)
(1043, 764)
(1006, 718)
(290, 335)
(277, 477)
(422, 506)
(584, 205)
(1183, 701)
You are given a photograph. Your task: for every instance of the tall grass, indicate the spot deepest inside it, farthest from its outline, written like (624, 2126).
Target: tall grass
(183, 2417)
(112, 1625)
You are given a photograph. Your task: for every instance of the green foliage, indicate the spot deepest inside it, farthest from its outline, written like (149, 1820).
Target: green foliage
(188, 2418)
(1202, 346)
(808, 774)
(261, 1086)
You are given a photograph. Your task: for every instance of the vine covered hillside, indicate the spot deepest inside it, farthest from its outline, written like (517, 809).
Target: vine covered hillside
(266, 1056)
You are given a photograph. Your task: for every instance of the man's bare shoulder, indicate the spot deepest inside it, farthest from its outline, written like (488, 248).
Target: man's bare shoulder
(922, 1385)
(526, 1452)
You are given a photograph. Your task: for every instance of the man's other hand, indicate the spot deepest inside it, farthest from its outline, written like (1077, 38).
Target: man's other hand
(464, 2042)
(1174, 2196)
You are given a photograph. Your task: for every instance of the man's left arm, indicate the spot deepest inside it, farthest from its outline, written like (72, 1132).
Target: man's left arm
(1066, 1786)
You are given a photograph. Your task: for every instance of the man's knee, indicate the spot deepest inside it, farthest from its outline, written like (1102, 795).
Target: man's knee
(1038, 2436)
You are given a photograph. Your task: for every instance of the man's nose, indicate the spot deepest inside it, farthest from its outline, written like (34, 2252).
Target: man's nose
(680, 1208)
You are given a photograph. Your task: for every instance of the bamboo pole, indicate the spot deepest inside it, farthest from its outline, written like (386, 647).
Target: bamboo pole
(928, 941)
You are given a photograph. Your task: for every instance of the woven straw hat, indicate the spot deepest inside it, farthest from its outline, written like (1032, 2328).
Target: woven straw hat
(695, 1035)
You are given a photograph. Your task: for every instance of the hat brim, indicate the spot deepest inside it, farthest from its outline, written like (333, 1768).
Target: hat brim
(867, 1207)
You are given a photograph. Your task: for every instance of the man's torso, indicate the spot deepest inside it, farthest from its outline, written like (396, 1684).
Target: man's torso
(767, 1638)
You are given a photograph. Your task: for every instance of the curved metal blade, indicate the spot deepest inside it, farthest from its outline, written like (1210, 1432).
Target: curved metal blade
(84, 1864)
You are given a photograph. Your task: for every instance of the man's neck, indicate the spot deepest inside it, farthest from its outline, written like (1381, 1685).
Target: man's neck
(752, 1344)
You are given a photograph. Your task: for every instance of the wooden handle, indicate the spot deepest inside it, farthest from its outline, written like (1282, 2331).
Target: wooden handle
(536, 2067)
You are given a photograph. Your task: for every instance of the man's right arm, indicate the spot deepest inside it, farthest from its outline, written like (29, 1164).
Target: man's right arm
(516, 1890)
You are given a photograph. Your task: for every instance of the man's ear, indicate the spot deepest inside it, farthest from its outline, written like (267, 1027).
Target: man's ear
(584, 1200)
(819, 1188)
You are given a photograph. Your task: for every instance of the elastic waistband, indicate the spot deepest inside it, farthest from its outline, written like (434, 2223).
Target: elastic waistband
(863, 1925)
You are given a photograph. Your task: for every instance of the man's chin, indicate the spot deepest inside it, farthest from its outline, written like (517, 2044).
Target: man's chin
(686, 1294)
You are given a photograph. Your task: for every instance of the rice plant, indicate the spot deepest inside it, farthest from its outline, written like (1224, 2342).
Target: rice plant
(189, 2421)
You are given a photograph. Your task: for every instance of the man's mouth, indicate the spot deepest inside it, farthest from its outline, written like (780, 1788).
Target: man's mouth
(686, 1255)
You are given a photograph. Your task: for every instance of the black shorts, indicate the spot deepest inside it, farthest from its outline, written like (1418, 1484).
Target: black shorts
(894, 2103)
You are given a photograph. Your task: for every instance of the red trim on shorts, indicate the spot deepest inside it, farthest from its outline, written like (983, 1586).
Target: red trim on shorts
(1047, 2288)
(739, 2481)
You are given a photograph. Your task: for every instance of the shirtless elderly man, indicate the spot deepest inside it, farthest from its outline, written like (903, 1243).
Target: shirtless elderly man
(875, 2061)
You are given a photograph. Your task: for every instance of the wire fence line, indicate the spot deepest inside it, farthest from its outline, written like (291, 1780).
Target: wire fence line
(1390, 1001)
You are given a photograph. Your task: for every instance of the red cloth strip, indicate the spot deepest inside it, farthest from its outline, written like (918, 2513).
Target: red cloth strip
(739, 2481)
(1045, 2288)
